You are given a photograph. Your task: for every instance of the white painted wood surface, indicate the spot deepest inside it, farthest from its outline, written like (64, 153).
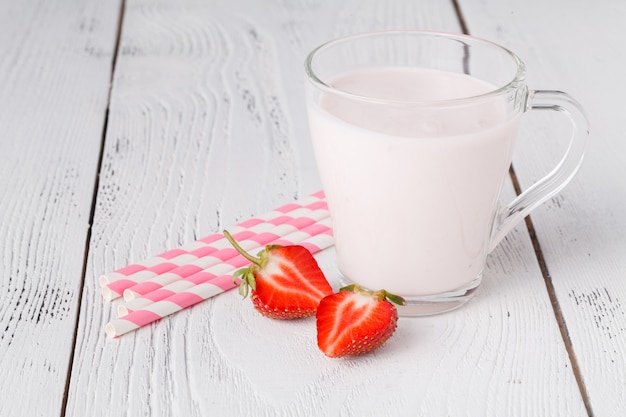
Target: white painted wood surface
(210, 98)
(582, 232)
(55, 69)
(206, 127)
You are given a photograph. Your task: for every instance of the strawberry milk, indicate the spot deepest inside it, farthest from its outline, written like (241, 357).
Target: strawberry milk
(412, 187)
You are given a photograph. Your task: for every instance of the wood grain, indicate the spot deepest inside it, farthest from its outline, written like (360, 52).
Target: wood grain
(207, 127)
(582, 232)
(55, 68)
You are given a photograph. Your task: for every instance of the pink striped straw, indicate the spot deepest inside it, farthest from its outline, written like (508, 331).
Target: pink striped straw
(170, 305)
(321, 239)
(195, 293)
(114, 283)
(302, 228)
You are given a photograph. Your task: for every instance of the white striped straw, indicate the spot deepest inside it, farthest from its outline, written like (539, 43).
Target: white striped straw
(299, 231)
(170, 305)
(114, 283)
(174, 288)
(314, 243)
(192, 295)
(198, 253)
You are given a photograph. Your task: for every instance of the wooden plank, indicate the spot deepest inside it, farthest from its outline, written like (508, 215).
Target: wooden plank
(207, 127)
(577, 48)
(55, 69)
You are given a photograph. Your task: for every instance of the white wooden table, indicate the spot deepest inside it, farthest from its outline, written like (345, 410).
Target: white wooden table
(131, 127)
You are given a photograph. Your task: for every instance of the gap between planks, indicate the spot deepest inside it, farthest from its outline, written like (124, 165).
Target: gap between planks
(92, 211)
(556, 308)
(554, 300)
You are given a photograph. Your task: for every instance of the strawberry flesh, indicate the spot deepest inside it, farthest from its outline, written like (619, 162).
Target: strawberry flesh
(354, 323)
(290, 284)
(284, 282)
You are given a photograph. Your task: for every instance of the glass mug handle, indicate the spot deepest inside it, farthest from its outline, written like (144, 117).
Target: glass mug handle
(511, 214)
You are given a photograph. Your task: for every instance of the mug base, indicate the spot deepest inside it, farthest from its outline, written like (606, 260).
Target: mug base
(428, 305)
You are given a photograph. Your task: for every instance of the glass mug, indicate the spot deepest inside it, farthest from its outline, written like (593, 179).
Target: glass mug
(413, 133)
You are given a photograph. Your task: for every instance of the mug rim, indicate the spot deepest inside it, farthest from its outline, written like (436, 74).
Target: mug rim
(514, 83)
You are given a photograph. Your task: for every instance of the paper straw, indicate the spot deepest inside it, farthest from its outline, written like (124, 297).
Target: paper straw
(219, 248)
(184, 298)
(301, 230)
(114, 283)
(173, 288)
(170, 305)
(261, 225)
(320, 240)
(312, 202)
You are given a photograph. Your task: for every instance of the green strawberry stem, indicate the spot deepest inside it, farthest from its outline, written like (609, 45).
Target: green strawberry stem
(248, 281)
(241, 250)
(380, 294)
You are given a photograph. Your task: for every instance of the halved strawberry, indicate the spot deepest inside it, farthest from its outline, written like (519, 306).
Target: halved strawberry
(355, 321)
(285, 282)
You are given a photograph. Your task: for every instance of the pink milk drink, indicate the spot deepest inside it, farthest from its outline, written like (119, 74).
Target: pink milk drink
(413, 135)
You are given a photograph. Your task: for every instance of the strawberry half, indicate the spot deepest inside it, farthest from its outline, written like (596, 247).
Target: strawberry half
(355, 321)
(284, 282)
